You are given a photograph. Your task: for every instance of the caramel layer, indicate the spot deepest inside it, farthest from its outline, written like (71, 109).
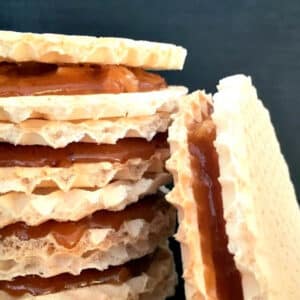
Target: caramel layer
(36, 285)
(35, 79)
(68, 234)
(207, 192)
(40, 156)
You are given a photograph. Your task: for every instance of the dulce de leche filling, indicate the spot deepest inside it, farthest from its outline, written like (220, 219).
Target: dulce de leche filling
(36, 79)
(40, 156)
(36, 285)
(207, 192)
(68, 234)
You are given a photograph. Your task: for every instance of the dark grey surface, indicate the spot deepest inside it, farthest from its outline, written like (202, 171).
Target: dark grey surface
(258, 38)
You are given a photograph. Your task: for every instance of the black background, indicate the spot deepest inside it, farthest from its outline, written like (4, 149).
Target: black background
(256, 37)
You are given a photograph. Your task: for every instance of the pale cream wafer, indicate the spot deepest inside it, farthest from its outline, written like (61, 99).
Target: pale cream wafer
(156, 283)
(260, 206)
(97, 248)
(195, 270)
(92, 107)
(79, 175)
(52, 204)
(58, 48)
(59, 134)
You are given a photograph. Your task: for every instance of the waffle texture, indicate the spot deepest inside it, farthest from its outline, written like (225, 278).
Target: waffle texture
(58, 134)
(97, 248)
(191, 110)
(52, 204)
(83, 175)
(260, 206)
(58, 48)
(90, 107)
(157, 283)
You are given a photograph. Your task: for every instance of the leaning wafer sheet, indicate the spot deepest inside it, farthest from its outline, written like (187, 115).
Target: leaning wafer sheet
(198, 283)
(92, 107)
(260, 206)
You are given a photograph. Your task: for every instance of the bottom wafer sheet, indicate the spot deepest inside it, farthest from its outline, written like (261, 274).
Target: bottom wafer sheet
(157, 282)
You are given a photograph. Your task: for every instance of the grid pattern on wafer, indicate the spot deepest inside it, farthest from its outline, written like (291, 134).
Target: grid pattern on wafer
(260, 205)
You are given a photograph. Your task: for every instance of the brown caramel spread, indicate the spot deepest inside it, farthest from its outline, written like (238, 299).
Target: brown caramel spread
(207, 192)
(35, 285)
(40, 156)
(35, 79)
(68, 234)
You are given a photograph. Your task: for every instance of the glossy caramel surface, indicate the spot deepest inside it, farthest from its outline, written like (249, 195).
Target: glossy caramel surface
(207, 192)
(40, 156)
(68, 234)
(35, 79)
(36, 285)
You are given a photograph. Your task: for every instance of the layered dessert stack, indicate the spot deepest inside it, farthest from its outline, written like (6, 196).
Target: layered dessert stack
(82, 154)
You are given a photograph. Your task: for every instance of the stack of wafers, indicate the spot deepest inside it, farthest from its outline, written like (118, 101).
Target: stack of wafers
(82, 154)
